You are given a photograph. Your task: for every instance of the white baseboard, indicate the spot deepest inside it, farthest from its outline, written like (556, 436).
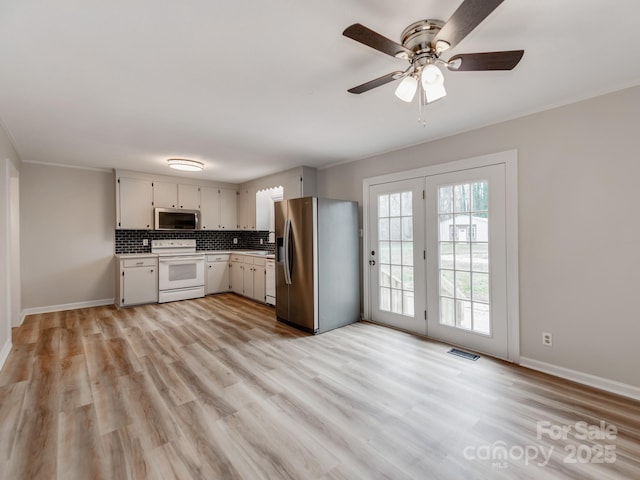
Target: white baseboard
(581, 377)
(4, 353)
(66, 306)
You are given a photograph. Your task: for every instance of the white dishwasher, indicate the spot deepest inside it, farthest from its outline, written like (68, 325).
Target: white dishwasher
(270, 283)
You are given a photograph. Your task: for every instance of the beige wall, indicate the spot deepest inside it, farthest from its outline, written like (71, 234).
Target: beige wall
(579, 173)
(67, 221)
(8, 292)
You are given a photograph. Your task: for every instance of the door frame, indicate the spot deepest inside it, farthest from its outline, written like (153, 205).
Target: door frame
(510, 160)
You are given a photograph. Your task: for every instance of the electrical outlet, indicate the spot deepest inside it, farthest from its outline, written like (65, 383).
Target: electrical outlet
(262, 241)
(145, 242)
(547, 339)
(235, 241)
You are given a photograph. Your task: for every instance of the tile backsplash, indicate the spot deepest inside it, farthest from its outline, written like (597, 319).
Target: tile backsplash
(130, 241)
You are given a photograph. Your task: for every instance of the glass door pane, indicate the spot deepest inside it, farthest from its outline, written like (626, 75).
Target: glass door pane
(463, 256)
(466, 259)
(395, 239)
(396, 259)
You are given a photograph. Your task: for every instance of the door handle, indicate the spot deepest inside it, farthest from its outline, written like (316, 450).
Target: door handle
(372, 262)
(287, 246)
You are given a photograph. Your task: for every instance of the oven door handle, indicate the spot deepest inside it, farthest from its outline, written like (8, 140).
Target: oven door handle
(181, 260)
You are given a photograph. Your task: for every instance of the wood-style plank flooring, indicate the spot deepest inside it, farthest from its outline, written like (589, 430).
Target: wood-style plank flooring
(215, 388)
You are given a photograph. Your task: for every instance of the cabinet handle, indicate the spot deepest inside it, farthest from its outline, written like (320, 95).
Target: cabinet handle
(139, 263)
(152, 270)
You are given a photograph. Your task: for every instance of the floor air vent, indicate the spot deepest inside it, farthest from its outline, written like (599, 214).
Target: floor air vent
(463, 354)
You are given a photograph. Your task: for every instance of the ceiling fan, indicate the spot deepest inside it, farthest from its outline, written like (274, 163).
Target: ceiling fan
(422, 44)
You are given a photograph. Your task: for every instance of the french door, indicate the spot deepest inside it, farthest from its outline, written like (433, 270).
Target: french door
(395, 256)
(437, 257)
(466, 259)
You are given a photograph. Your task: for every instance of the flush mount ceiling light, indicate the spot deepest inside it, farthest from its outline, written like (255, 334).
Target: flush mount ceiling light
(422, 43)
(185, 164)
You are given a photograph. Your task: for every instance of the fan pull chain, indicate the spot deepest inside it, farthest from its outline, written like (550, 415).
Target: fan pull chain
(421, 104)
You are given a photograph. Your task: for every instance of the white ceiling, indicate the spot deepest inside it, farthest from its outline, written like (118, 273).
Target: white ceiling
(252, 87)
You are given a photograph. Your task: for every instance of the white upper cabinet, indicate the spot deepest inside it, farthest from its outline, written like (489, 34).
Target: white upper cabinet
(301, 184)
(222, 206)
(228, 209)
(176, 195)
(292, 187)
(265, 200)
(210, 208)
(165, 195)
(134, 204)
(188, 197)
(247, 209)
(218, 209)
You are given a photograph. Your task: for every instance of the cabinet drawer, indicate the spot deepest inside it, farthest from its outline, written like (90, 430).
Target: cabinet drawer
(248, 259)
(217, 258)
(237, 258)
(139, 262)
(259, 261)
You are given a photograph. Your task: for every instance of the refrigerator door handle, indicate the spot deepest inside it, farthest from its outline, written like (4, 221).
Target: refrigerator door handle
(287, 245)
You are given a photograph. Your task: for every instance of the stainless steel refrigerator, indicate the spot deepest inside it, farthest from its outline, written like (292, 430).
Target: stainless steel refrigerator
(317, 267)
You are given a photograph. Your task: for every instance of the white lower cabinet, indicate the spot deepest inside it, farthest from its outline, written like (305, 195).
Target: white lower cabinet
(236, 274)
(259, 282)
(137, 281)
(270, 282)
(217, 277)
(248, 276)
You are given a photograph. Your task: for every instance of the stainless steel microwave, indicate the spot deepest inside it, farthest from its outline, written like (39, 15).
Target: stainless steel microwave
(176, 219)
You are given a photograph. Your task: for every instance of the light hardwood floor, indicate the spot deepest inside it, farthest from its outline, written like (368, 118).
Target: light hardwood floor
(215, 388)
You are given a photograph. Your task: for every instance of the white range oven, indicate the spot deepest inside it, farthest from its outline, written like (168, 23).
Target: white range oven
(180, 270)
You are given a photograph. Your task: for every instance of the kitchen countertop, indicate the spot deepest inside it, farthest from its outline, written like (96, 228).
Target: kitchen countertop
(135, 255)
(252, 253)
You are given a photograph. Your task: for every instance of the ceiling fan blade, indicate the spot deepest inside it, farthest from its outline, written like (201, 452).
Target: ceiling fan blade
(486, 61)
(365, 87)
(372, 39)
(467, 17)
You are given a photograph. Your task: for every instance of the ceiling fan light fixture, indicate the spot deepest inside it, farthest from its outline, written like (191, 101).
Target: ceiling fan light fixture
(442, 45)
(185, 164)
(433, 83)
(407, 89)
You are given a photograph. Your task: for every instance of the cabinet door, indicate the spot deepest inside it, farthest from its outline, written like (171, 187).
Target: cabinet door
(228, 209)
(251, 209)
(247, 209)
(165, 195)
(135, 198)
(248, 280)
(237, 278)
(140, 285)
(258, 283)
(292, 187)
(217, 277)
(270, 279)
(189, 197)
(209, 208)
